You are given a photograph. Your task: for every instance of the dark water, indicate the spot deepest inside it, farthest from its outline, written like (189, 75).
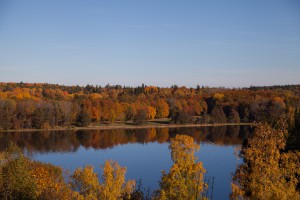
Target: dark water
(144, 152)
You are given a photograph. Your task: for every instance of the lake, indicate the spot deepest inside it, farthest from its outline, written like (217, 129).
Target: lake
(144, 152)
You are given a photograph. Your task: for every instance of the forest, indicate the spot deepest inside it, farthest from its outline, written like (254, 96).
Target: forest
(46, 106)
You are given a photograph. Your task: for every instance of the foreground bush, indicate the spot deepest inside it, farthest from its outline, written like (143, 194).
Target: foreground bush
(21, 178)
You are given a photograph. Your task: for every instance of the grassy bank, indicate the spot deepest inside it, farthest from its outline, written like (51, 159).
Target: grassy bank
(150, 124)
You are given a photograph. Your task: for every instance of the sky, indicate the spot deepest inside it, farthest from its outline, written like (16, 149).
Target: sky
(230, 43)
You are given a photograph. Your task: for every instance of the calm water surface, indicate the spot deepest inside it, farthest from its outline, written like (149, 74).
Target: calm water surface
(144, 152)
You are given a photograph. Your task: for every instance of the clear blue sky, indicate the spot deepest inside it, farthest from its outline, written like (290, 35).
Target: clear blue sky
(158, 42)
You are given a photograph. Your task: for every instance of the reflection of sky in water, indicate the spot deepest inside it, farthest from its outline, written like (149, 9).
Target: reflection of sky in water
(146, 161)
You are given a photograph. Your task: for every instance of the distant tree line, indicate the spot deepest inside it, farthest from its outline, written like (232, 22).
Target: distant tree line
(26, 105)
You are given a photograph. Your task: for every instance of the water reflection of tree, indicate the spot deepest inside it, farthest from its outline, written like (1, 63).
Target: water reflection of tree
(70, 141)
(42, 141)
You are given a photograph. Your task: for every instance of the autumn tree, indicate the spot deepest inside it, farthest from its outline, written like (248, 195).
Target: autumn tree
(140, 117)
(265, 173)
(182, 117)
(293, 139)
(275, 110)
(130, 111)
(233, 116)
(44, 113)
(151, 112)
(24, 113)
(243, 111)
(49, 181)
(21, 178)
(112, 186)
(218, 115)
(185, 179)
(196, 106)
(7, 111)
(16, 181)
(86, 182)
(258, 110)
(108, 113)
(162, 109)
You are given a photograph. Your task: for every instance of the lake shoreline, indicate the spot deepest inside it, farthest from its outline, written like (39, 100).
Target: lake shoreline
(127, 126)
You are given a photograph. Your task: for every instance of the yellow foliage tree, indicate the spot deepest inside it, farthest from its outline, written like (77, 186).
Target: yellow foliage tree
(218, 96)
(185, 179)
(49, 181)
(112, 187)
(86, 182)
(113, 184)
(267, 173)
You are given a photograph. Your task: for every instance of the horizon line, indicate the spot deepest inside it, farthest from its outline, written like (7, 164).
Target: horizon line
(146, 85)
